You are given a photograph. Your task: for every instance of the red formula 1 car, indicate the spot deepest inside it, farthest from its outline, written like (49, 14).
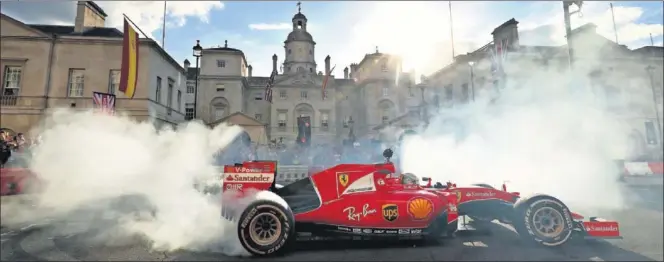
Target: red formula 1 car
(370, 201)
(540, 218)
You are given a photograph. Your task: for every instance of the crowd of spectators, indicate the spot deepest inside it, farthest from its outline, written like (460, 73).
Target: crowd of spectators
(10, 144)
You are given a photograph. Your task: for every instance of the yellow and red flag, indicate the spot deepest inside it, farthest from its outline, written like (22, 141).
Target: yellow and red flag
(327, 76)
(129, 69)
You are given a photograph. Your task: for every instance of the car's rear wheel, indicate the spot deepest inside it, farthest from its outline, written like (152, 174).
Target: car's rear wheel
(266, 228)
(543, 219)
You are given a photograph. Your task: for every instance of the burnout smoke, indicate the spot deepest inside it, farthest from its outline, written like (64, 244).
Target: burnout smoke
(117, 168)
(547, 136)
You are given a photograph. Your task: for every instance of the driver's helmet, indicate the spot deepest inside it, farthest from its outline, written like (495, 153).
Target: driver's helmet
(409, 179)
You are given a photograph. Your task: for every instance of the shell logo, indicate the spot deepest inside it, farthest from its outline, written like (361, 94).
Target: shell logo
(420, 208)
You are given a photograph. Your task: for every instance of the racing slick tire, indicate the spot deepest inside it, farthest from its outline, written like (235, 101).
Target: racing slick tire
(265, 228)
(544, 220)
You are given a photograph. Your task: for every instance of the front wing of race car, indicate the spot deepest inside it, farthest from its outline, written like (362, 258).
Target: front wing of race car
(596, 228)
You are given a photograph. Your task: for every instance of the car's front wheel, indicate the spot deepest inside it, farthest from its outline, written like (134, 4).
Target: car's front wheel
(265, 228)
(544, 220)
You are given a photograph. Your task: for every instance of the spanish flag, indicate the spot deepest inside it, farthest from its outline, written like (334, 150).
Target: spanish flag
(129, 69)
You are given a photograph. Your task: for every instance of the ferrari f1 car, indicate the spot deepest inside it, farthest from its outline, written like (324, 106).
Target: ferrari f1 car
(369, 201)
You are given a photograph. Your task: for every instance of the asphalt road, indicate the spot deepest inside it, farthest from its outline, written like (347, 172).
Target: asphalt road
(641, 228)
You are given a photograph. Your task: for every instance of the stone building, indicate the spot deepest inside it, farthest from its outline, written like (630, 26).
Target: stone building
(51, 66)
(369, 93)
(627, 83)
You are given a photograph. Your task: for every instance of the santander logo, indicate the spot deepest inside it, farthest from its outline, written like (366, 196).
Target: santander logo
(602, 228)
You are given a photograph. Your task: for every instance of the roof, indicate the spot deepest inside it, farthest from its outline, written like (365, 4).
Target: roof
(299, 35)
(69, 30)
(507, 23)
(657, 51)
(299, 16)
(370, 56)
(191, 72)
(258, 123)
(97, 8)
(225, 48)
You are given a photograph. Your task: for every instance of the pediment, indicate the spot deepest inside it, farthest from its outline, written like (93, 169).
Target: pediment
(300, 80)
(12, 27)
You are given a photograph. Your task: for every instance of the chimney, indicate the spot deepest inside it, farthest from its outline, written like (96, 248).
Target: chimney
(250, 69)
(353, 70)
(509, 32)
(88, 14)
(186, 65)
(327, 65)
(346, 73)
(274, 63)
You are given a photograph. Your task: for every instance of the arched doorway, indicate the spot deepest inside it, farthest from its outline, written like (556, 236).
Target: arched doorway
(304, 109)
(219, 108)
(386, 110)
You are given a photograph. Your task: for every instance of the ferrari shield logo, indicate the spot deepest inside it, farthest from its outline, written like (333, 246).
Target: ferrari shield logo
(343, 179)
(458, 195)
(390, 212)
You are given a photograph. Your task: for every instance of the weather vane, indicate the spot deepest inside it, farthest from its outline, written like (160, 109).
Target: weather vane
(299, 7)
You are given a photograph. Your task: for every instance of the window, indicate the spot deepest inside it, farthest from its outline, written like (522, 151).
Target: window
(324, 120)
(651, 134)
(386, 91)
(346, 120)
(300, 69)
(12, 81)
(221, 63)
(324, 94)
(114, 82)
(76, 82)
(289, 51)
(190, 87)
(157, 93)
(410, 92)
(385, 119)
(281, 121)
(311, 52)
(283, 94)
(258, 117)
(219, 112)
(221, 88)
(303, 94)
(448, 92)
(258, 96)
(383, 67)
(179, 100)
(464, 92)
(189, 112)
(169, 96)
(311, 70)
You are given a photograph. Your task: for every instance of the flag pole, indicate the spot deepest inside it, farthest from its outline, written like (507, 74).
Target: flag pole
(137, 28)
(451, 30)
(163, 29)
(613, 17)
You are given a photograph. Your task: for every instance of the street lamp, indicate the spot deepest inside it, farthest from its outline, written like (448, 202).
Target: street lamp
(649, 69)
(568, 26)
(198, 52)
(472, 79)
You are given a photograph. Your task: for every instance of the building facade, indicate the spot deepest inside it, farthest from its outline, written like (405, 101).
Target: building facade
(627, 83)
(369, 94)
(48, 66)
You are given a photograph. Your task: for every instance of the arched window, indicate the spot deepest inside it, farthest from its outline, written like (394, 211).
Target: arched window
(218, 108)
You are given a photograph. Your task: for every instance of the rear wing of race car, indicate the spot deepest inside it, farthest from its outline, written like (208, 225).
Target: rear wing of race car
(256, 175)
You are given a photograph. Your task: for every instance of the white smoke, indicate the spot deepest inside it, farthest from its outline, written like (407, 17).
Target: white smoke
(134, 179)
(547, 136)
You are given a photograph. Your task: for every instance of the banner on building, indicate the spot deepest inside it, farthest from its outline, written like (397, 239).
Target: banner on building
(268, 87)
(129, 68)
(104, 102)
